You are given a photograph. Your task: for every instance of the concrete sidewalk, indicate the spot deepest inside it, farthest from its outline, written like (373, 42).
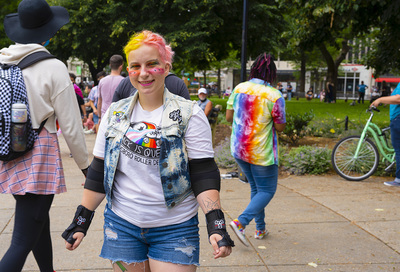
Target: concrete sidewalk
(316, 223)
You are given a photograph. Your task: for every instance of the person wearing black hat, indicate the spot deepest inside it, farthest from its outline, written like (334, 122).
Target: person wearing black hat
(36, 177)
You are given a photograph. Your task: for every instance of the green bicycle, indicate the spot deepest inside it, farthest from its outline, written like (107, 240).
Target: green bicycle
(356, 158)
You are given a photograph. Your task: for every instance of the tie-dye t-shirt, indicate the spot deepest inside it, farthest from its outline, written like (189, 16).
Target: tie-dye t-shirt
(256, 107)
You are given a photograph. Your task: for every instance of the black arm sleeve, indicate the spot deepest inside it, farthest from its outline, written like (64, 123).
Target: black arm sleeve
(95, 176)
(204, 175)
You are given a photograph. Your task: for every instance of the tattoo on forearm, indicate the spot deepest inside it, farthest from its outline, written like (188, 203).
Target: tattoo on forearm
(210, 205)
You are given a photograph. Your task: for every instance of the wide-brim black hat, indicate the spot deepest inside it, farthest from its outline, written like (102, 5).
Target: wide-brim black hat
(35, 22)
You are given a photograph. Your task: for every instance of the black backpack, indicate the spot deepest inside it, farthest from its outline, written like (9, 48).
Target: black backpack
(13, 90)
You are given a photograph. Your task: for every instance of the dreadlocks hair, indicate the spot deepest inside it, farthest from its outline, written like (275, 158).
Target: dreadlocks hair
(264, 68)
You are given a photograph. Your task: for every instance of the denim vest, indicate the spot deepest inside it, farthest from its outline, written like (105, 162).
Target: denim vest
(173, 162)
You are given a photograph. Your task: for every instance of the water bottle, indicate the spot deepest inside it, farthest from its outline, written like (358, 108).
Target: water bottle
(226, 176)
(19, 118)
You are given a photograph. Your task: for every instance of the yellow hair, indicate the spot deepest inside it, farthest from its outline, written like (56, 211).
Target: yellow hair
(134, 43)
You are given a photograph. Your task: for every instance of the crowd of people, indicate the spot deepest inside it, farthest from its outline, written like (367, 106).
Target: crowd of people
(326, 94)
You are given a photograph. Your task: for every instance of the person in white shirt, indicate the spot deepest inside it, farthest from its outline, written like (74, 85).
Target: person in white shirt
(142, 155)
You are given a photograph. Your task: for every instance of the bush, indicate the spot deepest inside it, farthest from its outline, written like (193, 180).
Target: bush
(296, 127)
(307, 160)
(222, 119)
(223, 156)
(282, 151)
(380, 171)
(333, 127)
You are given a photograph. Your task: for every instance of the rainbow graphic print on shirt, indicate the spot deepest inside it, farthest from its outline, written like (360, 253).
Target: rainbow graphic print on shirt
(256, 107)
(144, 134)
(141, 143)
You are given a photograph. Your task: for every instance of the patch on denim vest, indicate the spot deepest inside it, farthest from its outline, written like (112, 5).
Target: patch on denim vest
(118, 115)
(176, 115)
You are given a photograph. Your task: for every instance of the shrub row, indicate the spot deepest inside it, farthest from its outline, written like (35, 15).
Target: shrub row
(298, 160)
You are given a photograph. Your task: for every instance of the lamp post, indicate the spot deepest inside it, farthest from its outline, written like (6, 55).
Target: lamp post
(244, 44)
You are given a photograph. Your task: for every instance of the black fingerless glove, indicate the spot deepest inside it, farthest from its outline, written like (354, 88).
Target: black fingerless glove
(85, 171)
(216, 224)
(83, 218)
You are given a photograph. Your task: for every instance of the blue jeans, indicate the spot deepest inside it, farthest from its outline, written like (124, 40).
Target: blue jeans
(395, 135)
(263, 182)
(123, 241)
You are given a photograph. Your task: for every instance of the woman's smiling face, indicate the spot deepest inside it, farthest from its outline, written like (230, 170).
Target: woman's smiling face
(146, 70)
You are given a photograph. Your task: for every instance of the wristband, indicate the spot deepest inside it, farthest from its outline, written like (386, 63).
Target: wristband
(82, 219)
(215, 221)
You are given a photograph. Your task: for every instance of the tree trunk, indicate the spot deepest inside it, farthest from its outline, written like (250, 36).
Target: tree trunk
(204, 78)
(219, 82)
(333, 65)
(93, 71)
(343, 52)
(100, 64)
(302, 73)
(316, 77)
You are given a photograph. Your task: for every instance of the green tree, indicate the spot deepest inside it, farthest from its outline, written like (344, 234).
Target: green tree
(6, 7)
(200, 32)
(325, 23)
(385, 54)
(316, 25)
(94, 34)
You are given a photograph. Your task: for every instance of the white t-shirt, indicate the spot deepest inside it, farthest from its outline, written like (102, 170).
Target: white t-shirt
(137, 193)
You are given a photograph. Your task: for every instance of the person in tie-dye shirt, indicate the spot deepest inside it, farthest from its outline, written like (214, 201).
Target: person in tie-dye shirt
(257, 111)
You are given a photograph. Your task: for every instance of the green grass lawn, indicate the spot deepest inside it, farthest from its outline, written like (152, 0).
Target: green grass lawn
(339, 110)
(324, 111)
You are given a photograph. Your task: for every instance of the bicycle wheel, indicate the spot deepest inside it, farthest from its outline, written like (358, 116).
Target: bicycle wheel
(355, 168)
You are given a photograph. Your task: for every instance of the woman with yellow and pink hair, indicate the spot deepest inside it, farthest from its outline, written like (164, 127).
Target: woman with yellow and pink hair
(154, 163)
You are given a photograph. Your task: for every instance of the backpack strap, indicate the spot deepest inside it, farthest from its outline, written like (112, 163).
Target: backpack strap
(41, 126)
(33, 58)
(30, 60)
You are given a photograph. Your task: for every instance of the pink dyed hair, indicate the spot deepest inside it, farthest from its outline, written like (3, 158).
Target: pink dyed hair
(149, 38)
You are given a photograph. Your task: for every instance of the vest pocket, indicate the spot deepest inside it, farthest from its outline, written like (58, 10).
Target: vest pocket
(173, 131)
(111, 133)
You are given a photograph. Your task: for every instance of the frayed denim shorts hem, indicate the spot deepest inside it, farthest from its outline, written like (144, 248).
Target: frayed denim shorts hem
(123, 241)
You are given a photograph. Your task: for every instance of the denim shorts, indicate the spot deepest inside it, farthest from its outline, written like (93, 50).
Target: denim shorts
(95, 119)
(123, 241)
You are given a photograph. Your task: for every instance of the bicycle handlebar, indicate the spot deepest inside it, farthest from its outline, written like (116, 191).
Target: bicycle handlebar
(372, 108)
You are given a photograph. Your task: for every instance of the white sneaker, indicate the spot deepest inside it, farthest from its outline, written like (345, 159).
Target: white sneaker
(239, 231)
(392, 183)
(90, 131)
(260, 234)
